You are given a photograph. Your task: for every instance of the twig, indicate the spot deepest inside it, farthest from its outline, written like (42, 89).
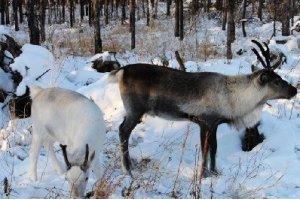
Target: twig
(40, 76)
(180, 61)
(180, 162)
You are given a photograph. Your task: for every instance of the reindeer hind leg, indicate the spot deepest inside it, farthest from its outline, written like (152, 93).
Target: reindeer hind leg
(125, 129)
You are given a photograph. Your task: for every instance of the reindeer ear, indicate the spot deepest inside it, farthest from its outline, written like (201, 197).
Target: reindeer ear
(254, 68)
(263, 79)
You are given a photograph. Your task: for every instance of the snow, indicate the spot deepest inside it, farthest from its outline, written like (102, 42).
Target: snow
(104, 56)
(270, 170)
(33, 62)
(6, 83)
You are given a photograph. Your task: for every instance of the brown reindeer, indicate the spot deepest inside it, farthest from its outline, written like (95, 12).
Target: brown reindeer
(206, 98)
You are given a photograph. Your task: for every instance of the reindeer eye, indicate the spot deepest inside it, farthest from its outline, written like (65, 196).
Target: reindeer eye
(277, 82)
(87, 178)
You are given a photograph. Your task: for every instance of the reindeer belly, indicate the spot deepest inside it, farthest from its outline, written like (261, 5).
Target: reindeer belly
(166, 108)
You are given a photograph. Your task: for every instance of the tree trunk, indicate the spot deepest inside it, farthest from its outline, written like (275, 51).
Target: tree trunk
(176, 31)
(106, 11)
(137, 10)
(181, 25)
(15, 10)
(82, 2)
(219, 4)
(20, 8)
(224, 15)
(293, 13)
(111, 8)
(63, 2)
(230, 28)
(7, 21)
(155, 9)
(34, 32)
(97, 33)
(286, 18)
(43, 4)
(117, 9)
(169, 2)
(91, 13)
(244, 18)
(259, 9)
(274, 17)
(72, 16)
(123, 18)
(2, 11)
(148, 13)
(132, 22)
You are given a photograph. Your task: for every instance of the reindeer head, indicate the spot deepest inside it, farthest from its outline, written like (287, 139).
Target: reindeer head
(269, 81)
(77, 175)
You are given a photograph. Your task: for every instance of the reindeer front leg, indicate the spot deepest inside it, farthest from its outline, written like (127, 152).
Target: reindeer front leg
(35, 148)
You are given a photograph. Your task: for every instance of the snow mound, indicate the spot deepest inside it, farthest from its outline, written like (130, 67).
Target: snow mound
(32, 63)
(105, 56)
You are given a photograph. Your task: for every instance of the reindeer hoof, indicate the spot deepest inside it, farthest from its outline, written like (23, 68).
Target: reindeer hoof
(215, 172)
(205, 174)
(209, 173)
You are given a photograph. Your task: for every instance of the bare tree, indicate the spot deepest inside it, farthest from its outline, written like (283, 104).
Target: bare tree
(111, 8)
(224, 15)
(106, 12)
(176, 30)
(181, 23)
(259, 9)
(230, 27)
(274, 17)
(123, 17)
(7, 21)
(244, 18)
(148, 13)
(20, 8)
(2, 11)
(42, 18)
(15, 11)
(285, 18)
(132, 22)
(169, 2)
(81, 2)
(219, 4)
(96, 20)
(34, 32)
(63, 5)
(72, 12)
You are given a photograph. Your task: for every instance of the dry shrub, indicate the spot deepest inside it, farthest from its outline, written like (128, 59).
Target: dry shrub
(206, 49)
(112, 44)
(103, 190)
(110, 180)
(245, 172)
(75, 41)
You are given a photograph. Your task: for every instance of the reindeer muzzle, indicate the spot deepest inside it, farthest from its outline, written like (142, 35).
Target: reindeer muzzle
(292, 92)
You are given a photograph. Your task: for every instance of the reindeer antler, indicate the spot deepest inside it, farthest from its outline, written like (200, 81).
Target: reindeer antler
(265, 52)
(64, 150)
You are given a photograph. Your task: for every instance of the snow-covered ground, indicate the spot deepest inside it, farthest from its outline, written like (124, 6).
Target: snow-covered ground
(165, 151)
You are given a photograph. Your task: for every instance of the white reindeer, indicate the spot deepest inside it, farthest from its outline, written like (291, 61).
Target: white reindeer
(76, 122)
